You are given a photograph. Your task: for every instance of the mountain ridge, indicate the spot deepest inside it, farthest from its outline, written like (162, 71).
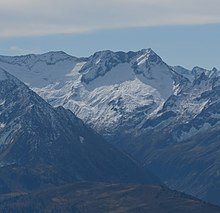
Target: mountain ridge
(141, 105)
(41, 145)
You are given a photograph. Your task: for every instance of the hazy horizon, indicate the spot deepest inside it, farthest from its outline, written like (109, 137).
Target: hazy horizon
(182, 32)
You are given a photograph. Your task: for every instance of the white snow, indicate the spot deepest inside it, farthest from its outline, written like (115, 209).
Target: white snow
(2, 125)
(98, 61)
(159, 77)
(142, 59)
(75, 70)
(117, 75)
(2, 102)
(39, 71)
(104, 101)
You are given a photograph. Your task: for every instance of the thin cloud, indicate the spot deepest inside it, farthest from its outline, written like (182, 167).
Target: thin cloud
(15, 50)
(38, 17)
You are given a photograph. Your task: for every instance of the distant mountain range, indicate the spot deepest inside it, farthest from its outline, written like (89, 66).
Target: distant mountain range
(166, 117)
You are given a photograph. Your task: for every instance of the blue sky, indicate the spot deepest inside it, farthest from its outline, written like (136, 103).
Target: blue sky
(182, 32)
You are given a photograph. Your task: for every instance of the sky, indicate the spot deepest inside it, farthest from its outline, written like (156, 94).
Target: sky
(182, 32)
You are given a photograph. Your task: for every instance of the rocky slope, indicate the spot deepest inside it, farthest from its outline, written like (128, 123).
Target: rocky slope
(45, 152)
(41, 145)
(186, 130)
(163, 116)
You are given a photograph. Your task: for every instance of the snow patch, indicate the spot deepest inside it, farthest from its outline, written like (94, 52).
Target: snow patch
(142, 59)
(2, 125)
(75, 70)
(2, 102)
(98, 61)
(118, 75)
(81, 139)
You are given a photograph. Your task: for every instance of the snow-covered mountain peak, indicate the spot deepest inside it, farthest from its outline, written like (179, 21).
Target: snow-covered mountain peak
(31, 59)
(197, 71)
(106, 88)
(100, 63)
(145, 62)
(40, 70)
(148, 55)
(55, 57)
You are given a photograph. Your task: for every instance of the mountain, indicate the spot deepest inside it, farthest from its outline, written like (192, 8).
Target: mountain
(104, 198)
(47, 154)
(42, 146)
(166, 117)
(106, 90)
(189, 136)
